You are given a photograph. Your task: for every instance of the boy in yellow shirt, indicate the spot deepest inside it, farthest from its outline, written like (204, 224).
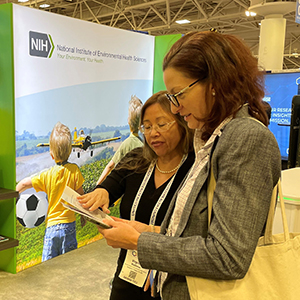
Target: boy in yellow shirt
(60, 234)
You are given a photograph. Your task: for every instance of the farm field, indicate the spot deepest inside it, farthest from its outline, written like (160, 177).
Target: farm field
(29, 251)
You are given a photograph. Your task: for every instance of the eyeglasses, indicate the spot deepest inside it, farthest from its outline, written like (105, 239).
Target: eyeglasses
(173, 98)
(161, 127)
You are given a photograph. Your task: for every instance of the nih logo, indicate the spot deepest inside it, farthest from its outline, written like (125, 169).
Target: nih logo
(40, 44)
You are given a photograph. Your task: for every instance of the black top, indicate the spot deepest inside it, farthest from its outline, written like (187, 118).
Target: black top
(126, 183)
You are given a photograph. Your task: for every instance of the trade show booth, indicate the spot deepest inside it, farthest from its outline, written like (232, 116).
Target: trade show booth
(55, 68)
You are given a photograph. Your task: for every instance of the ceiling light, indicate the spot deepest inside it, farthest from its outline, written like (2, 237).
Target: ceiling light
(22, 1)
(45, 5)
(250, 13)
(185, 21)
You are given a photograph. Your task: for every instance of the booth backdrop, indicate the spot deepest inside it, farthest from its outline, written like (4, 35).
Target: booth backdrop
(83, 75)
(54, 68)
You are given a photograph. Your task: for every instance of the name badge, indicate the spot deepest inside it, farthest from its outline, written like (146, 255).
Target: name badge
(132, 271)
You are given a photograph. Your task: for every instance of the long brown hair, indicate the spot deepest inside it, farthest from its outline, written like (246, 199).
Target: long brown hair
(226, 64)
(138, 160)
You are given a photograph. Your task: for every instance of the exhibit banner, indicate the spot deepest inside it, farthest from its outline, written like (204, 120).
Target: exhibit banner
(80, 74)
(280, 90)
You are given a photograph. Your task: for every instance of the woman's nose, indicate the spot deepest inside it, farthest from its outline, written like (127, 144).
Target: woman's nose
(154, 131)
(175, 109)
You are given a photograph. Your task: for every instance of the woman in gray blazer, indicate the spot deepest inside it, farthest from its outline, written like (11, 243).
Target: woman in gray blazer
(215, 83)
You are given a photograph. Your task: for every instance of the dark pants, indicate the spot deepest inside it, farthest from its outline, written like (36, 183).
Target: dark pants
(123, 290)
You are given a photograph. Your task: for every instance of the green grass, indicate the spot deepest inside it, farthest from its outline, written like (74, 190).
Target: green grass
(31, 143)
(29, 251)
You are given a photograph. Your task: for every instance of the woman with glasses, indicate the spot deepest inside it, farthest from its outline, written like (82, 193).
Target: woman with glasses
(214, 82)
(146, 178)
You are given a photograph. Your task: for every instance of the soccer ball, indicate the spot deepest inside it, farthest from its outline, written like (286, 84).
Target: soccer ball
(31, 210)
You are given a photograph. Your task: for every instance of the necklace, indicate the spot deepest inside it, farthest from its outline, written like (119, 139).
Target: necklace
(167, 172)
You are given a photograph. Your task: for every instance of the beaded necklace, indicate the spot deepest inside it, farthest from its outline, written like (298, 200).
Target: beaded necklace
(168, 172)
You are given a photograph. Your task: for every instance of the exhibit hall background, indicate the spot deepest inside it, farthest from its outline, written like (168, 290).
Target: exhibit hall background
(81, 74)
(163, 44)
(280, 90)
(88, 90)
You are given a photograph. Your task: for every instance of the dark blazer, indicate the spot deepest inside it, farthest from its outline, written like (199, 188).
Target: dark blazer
(247, 164)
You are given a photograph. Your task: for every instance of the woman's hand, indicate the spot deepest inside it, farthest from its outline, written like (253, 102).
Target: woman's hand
(95, 199)
(121, 235)
(138, 226)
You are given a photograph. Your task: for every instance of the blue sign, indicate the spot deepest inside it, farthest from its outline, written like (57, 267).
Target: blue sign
(280, 90)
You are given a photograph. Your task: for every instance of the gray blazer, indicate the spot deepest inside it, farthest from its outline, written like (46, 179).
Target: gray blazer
(247, 164)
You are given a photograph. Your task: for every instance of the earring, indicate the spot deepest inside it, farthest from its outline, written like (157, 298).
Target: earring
(213, 93)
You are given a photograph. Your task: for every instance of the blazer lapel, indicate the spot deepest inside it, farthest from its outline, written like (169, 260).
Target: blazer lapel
(193, 196)
(167, 218)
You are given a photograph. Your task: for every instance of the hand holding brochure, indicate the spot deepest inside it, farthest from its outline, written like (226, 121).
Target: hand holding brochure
(97, 216)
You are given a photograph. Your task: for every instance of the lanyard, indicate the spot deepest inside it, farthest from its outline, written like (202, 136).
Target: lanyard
(161, 198)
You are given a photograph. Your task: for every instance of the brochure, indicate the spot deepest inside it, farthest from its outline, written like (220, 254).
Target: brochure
(96, 217)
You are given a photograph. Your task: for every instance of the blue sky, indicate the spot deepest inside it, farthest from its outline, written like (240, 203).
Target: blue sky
(86, 105)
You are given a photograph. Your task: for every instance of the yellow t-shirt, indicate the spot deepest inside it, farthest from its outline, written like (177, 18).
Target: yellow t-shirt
(53, 182)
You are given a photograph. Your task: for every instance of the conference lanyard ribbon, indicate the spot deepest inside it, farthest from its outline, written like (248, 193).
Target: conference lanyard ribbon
(131, 270)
